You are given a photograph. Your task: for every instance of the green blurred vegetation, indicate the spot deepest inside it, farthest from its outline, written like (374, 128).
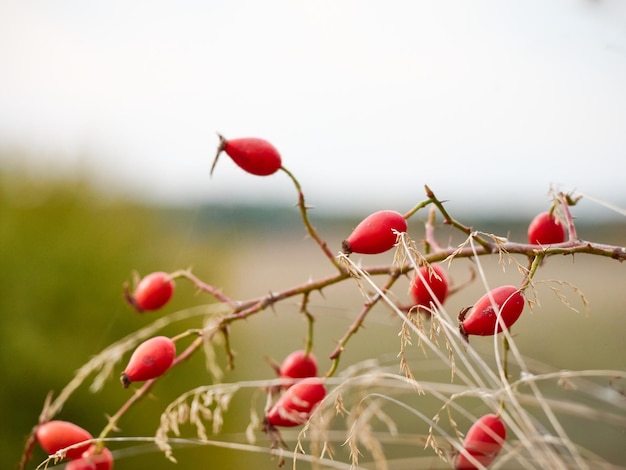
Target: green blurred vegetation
(65, 252)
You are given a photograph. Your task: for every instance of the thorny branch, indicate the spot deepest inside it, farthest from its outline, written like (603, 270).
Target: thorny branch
(239, 310)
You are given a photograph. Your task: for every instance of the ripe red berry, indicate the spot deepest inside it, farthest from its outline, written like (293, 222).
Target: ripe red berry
(151, 359)
(254, 155)
(375, 234)
(546, 229)
(56, 435)
(298, 365)
(483, 316)
(153, 291)
(297, 404)
(436, 280)
(483, 441)
(92, 460)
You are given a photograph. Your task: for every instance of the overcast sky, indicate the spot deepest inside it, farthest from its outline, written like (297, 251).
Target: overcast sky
(487, 102)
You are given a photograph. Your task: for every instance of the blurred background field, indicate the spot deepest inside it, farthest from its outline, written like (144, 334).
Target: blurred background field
(66, 250)
(108, 120)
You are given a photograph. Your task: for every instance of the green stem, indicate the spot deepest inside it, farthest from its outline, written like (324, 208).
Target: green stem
(310, 322)
(230, 355)
(505, 363)
(307, 223)
(535, 262)
(417, 207)
(358, 322)
(429, 227)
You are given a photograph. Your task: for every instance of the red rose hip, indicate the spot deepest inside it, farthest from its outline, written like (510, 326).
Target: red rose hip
(546, 229)
(56, 435)
(297, 404)
(151, 359)
(436, 280)
(153, 291)
(482, 318)
(375, 234)
(483, 441)
(298, 365)
(254, 155)
(92, 460)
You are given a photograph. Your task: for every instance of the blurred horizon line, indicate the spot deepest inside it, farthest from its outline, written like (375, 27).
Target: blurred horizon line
(18, 182)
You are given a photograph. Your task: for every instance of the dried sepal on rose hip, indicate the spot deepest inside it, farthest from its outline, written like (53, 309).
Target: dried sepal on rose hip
(483, 441)
(251, 154)
(150, 360)
(56, 435)
(434, 278)
(295, 406)
(375, 234)
(92, 459)
(152, 292)
(546, 229)
(482, 318)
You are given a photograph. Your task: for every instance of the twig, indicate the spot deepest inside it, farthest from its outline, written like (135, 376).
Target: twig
(307, 223)
(358, 322)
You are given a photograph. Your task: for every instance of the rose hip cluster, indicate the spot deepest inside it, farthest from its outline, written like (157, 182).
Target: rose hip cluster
(377, 233)
(302, 390)
(500, 307)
